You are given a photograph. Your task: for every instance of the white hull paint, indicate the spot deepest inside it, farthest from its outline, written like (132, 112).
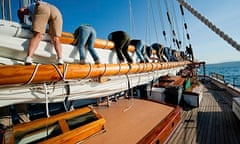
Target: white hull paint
(236, 107)
(78, 89)
(194, 99)
(157, 94)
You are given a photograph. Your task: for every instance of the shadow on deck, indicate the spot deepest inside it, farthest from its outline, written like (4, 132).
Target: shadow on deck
(211, 123)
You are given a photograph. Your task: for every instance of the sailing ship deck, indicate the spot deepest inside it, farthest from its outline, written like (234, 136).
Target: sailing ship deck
(136, 121)
(212, 122)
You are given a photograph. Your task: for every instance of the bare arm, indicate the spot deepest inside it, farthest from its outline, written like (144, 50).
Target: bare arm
(21, 13)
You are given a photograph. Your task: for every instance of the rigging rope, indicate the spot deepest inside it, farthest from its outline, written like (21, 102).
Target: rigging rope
(162, 21)
(170, 23)
(6, 9)
(185, 24)
(189, 47)
(178, 42)
(147, 35)
(132, 24)
(3, 10)
(155, 26)
(210, 25)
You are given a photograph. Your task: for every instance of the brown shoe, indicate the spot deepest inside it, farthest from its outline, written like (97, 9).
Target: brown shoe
(97, 61)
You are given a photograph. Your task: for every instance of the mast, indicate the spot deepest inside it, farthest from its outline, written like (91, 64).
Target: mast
(210, 25)
(6, 9)
(3, 9)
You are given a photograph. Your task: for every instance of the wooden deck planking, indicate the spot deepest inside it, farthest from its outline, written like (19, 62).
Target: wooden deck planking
(212, 122)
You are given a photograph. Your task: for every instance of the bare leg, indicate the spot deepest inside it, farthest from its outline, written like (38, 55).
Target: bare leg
(33, 44)
(57, 45)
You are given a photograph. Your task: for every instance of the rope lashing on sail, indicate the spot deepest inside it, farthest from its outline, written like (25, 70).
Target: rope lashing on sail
(210, 25)
(89, 72)
(33, 74)
(120, 68)
(62, 75)
(58, 70)
(105, 69)
(46, 99)
(65, 71)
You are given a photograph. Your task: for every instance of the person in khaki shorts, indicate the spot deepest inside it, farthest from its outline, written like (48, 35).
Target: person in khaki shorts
(43, 13)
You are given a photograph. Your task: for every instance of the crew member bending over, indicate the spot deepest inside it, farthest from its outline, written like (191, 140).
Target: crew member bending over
(43, 13)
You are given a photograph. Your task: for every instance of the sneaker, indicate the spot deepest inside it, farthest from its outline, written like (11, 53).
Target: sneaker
(60, 61)
(82, 62)
(97, 61)
(28, 60)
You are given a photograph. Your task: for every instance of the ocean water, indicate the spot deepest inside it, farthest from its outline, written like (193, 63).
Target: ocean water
(230, 70)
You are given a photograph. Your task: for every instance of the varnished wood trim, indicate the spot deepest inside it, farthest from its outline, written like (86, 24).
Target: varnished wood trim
(164, 129)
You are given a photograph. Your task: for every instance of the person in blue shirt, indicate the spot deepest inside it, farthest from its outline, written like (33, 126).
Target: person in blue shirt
(140, 49)
(85, 36)
(159, 51)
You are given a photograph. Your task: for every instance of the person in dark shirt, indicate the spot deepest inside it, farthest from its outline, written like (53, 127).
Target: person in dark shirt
(121, 42)
(159, 51)
(189, 53)
(149, 54)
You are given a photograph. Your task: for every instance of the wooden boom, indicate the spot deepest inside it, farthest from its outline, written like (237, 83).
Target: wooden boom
(68, 38)
(20, 74)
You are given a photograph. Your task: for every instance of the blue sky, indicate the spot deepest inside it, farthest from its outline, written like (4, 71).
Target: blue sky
(110, 15)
